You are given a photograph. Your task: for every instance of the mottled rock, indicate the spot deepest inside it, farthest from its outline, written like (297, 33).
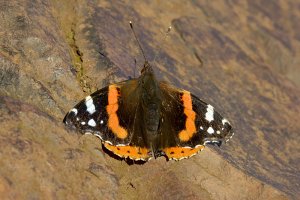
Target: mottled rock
(241, 57)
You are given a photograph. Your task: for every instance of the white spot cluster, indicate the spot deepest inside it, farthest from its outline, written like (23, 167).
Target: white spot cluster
(230, 137)
(209, 115)
(92, 123)
(90, 107)
(212, 141)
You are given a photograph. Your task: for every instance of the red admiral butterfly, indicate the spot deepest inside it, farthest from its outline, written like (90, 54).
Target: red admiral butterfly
(143, 118)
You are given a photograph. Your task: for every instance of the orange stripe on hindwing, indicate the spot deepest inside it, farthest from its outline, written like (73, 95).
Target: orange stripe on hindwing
(111, 108)
(190, 127)
(178, 153)
(133, 152)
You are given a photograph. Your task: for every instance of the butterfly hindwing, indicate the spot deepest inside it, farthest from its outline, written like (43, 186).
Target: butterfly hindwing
(189, 124)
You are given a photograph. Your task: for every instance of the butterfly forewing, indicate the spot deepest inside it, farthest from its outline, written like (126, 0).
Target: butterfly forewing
(213, 128)
(188, 123)
(111, 114)
(89, 115)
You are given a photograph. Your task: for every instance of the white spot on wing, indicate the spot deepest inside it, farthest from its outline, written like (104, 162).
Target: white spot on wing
(121, 145)
(210, 130)
(92, 122)
(109, 142)
(82, 123)
(218, 132)
(88, 98)
(201, 127)
(90, 107)
(99, 136)
(101, 122)
(209, 115)
(74, 110)
(224, 121)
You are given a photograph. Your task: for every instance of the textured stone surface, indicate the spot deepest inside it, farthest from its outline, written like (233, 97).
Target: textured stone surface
(243, 58)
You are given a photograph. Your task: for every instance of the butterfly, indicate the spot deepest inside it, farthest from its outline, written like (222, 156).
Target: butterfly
(144, 118)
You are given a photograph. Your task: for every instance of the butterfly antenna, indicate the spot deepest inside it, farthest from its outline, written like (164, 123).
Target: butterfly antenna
(134, 68)
(163, 40)
(140, 46)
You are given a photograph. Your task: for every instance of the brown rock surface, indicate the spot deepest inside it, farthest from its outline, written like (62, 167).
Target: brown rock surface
(243, 58)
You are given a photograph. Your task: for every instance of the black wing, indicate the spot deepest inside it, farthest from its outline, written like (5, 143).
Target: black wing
(111, 114)
(189, 123)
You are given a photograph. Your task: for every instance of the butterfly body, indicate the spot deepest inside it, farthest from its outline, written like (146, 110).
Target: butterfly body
(144, 118)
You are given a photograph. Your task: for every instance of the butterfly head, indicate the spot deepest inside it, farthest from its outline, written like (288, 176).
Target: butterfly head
(147, 68)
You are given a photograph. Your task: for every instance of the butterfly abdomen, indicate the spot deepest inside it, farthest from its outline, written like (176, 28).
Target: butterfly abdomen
(151, 117)
(151, 102)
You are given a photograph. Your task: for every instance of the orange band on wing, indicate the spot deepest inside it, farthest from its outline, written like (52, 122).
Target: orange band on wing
(111, 108)
(133, 152)
(178, 153)
(190, 127)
